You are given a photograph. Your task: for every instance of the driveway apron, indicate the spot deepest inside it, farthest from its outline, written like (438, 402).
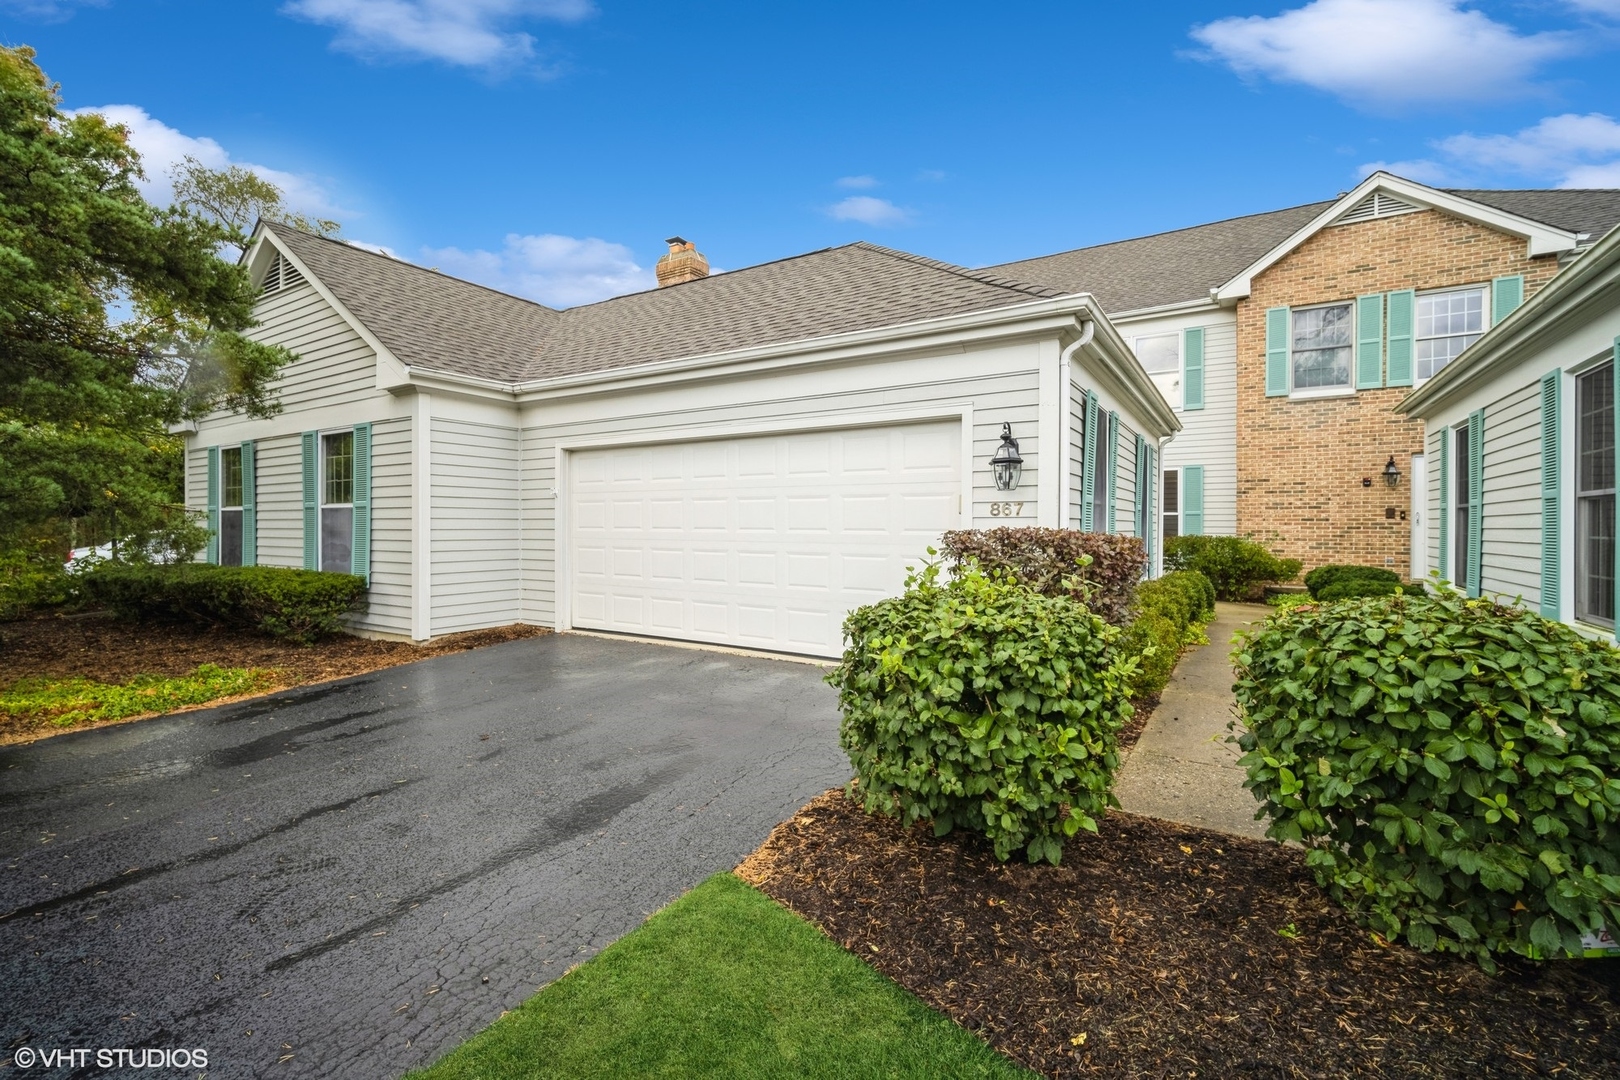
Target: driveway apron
(349, 879)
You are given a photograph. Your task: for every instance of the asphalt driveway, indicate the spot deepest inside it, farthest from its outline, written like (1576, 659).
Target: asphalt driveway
(349, 879)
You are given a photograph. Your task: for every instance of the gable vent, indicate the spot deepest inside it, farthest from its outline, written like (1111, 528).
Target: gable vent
(1378, 204)
(281, 275)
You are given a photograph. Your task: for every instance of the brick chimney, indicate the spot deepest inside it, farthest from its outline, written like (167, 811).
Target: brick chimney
(683, 263)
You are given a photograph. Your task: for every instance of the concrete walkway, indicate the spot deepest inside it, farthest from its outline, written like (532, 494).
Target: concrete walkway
(1182, 769)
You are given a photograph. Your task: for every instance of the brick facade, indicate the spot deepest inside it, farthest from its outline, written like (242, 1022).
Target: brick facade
(1301, 462)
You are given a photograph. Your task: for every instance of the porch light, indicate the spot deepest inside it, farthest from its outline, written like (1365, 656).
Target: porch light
(1007, 463)
(1392, 475)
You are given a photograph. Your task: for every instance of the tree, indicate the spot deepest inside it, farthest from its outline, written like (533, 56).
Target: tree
(236, 198)
(86, 403)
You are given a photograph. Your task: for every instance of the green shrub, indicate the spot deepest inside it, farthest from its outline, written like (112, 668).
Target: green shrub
(1451, 765)
(1235, 566)
(982, 704)
(31, 580)
(1047, 560)
(1350, 588)
(1285, 601)
(1156, 642)
(70, 701)
(299, 604)
(1171, 611)
(1334, 573)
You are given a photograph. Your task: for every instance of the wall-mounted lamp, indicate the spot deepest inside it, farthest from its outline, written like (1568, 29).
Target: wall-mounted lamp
(1392, 475)
(1007, 464)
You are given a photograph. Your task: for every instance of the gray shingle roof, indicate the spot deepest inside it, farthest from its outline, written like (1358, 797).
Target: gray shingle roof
(440, 323)
(1168, 267)
(1593, 211)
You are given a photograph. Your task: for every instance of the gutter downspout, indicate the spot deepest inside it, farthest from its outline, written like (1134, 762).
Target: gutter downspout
(1065, 422)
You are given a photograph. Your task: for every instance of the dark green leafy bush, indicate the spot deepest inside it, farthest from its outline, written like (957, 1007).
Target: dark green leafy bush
(31, 580)
(1048, 561)
(1347, 581)
(1451, 765)
(299, 604)
(1235, 566)
(1171, 611)
(981, 704)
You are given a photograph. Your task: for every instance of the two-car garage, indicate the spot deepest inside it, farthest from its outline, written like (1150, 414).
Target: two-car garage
(764, 541)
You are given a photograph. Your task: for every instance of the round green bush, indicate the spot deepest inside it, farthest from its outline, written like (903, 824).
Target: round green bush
(981, 704)
(1335, 574)
(1451, 765)
(1155, 641)
(1235, 566)
(1349, 588)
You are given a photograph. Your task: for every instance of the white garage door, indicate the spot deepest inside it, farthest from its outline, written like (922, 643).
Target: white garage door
(762, 542)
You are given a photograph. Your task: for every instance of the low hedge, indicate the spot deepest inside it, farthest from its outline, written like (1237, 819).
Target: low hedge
(302, 605)
(1235, 566)
(979, 703)
(1170, 613)
(1339, 582)
(1046, 560)
(1452, 767)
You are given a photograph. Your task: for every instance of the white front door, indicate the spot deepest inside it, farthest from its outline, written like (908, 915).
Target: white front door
(1419, 519)
(764, 542)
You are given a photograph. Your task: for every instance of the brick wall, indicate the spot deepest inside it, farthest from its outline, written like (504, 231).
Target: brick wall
(1301, 463)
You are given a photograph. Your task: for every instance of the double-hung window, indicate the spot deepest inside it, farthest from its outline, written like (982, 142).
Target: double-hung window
(1594, 496)
(1447, 323)
(230, 506)
(1160, 355)
(337, 501)
(1172, 503)
(1321, 346)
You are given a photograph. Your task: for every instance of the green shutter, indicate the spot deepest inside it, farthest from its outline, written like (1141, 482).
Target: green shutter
(1398, 342)
(1444, 531)
(1192, 500)
(213, 505)
(1277, 324)
(1113, 466)
(1476, 496)
(1088, 463)
(1550, 471)
(1507, 293)
(1192, 378)
(360, 560)
(312, 517)
(250, 511)
(1370, 341)
(1616, 382)
(1141, 488)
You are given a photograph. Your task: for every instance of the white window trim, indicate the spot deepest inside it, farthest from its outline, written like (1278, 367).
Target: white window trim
(1180, 337)
(223, 505)
(1163, 512)
(1418, 294)
(320, 495)
(1310, 392)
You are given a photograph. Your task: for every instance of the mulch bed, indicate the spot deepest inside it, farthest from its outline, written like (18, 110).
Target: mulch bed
(1154, 951)
(111, 651)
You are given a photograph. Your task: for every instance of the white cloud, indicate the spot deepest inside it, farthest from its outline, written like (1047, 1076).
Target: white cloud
(162, 148)
(471, 33)
(858, 182)
(47, 10)
(870, 211)
(1569, 151)
(1386, 53)
(558, 271)
(1609, 8)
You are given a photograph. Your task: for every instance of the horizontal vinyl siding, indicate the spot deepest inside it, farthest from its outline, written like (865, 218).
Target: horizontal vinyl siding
(1510, 558)
(1431, 463)
(1077, 451)
(334, 365)
(280, 488)
(1209, 435)
(1125, 481)
(196, 481)
(476, 526)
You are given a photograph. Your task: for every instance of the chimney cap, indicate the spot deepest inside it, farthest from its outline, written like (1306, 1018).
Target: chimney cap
(677, 241)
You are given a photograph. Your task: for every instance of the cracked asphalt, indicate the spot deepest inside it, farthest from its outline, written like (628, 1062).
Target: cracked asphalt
(347, 880)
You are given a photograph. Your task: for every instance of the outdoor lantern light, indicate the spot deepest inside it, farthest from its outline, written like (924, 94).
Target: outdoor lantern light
(1007, 463)
(1392, 475)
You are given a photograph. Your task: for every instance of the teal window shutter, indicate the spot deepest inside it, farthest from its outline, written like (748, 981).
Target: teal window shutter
(1550, 471)
(1476, 496)
(1398, 339)
(1142, 518)
(312, 517)
(1192, 500)
(1507, 293)
(250, 511)
(1113, 465)
(360, 560)
(1370, 341)
(1445, 499)
(1277, 329)
(1192, 376)
(1088, 466)
(1616, 523)
(213, 504)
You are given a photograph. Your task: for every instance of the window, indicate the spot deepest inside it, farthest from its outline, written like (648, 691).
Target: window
(230, 506)
(1160, 355)
(337, 501)
(1594, 496)
(1460, 508)
(1447, 323)
(1099, 473)
(1321, 348)
(1172, 503)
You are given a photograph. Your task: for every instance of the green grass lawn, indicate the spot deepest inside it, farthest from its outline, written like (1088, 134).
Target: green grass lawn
(724, 982)
(75, 700)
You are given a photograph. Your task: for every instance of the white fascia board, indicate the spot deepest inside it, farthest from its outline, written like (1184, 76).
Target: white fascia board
(1585, 290)
(1540, 239)
(1183, 307)
(391, 374)
(470, 386)
(1114, 365)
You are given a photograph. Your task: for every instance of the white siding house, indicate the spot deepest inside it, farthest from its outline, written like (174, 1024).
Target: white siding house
(737, 459)
(1521, 452)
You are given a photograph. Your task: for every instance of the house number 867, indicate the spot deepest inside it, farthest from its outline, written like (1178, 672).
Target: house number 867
(1006, 509)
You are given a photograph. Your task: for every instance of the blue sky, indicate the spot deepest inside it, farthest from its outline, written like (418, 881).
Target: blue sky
(548, 146)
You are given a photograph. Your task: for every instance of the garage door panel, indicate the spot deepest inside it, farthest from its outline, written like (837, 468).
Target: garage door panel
(764, 542)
